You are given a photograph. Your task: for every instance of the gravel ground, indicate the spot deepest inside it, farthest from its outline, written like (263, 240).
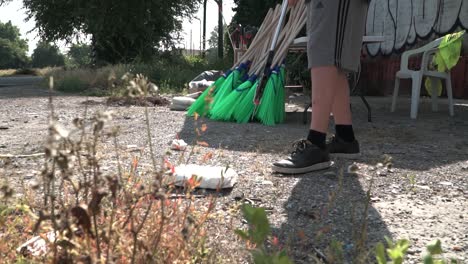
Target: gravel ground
(422, 197)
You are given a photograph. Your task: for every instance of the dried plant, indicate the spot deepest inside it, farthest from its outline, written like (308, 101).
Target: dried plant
(87, 215)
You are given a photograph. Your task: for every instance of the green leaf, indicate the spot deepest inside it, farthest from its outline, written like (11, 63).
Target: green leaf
(262, 227)
(284, 260)
(403, 245)
(259, 257)
(242, 234)
(453, 261)
(398, 251)
(389, 242)
(283, 257)
(435, 247)
(380, 254)
(248, 211)
(428, 259)
(258, 221)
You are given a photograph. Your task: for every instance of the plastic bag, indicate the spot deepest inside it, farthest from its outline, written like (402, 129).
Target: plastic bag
(209, 177)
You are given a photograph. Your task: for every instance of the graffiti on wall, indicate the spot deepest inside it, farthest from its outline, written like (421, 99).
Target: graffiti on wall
(402, 22)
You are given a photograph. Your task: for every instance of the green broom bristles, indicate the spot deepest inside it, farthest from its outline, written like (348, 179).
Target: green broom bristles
(201, 105)
(229, 85)
(225, 89)
(225, 109)
(245, 107)
(280, 97)
(266, 111)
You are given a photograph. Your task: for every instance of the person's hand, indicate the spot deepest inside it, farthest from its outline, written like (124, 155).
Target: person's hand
(292, 2)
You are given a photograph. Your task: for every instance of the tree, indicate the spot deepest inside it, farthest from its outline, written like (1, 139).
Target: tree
(213, 40)
(213, 51)
(47, 55)
(220, 29)
(121, 30)
(80, 55)
(252, 13)
(13, 49)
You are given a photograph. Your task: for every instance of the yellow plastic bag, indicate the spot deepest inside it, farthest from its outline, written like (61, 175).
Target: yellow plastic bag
(446, 58)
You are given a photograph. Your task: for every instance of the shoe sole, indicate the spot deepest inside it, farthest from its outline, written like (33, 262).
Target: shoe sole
(346, 155)
(316, 167)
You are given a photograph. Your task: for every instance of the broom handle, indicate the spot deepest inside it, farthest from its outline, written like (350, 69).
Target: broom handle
(264, 37)
(260, 35)
(262, 57)
(254, 44)
(298, 25)
(295, 23)
(264, 51)
(280, 24)
(258, 60)
(288, 26)
(284, 32)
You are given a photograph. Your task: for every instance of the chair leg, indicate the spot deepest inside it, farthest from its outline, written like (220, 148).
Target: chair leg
(434, 94)
(395, 93)
(416, 91)
(450, 95)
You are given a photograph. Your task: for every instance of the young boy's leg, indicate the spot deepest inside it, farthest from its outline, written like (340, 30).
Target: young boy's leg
(335, 30)
(343, 144)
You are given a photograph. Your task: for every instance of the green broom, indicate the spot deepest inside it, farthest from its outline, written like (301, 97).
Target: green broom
(265, 80)
(229, 85)
(267, 112)
(269, 100)
(280, 97)
(245, 107)
(225, 109)
(201, 105)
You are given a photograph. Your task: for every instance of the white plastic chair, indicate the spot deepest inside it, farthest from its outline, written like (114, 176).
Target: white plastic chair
(417, 77)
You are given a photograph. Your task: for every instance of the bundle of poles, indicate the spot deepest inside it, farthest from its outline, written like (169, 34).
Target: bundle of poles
(253, 89)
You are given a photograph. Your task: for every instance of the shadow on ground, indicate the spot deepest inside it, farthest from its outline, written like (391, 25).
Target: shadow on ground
(328, 208)
(434, 139)
(308, 221)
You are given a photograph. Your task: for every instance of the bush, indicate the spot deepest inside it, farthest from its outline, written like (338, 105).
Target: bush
(26, 71)
(80, 80)
(170, 72)
(173, 72)
(72, 84)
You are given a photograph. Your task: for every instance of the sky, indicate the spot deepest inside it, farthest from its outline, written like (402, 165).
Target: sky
(211, 22)
(15, 12)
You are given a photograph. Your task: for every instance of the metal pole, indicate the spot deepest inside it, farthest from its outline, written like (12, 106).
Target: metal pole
(204, 27)
(200, 48)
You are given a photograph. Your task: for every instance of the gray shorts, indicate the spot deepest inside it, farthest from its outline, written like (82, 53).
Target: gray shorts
(335, 29)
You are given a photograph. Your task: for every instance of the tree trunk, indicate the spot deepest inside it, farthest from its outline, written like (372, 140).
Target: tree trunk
(220, 29)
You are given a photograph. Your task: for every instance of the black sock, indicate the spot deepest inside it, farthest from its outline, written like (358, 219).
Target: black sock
(317, 138)
(345, 132)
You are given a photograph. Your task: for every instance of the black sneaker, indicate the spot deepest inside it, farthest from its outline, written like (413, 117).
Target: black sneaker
(305, 158)
(342, 149)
